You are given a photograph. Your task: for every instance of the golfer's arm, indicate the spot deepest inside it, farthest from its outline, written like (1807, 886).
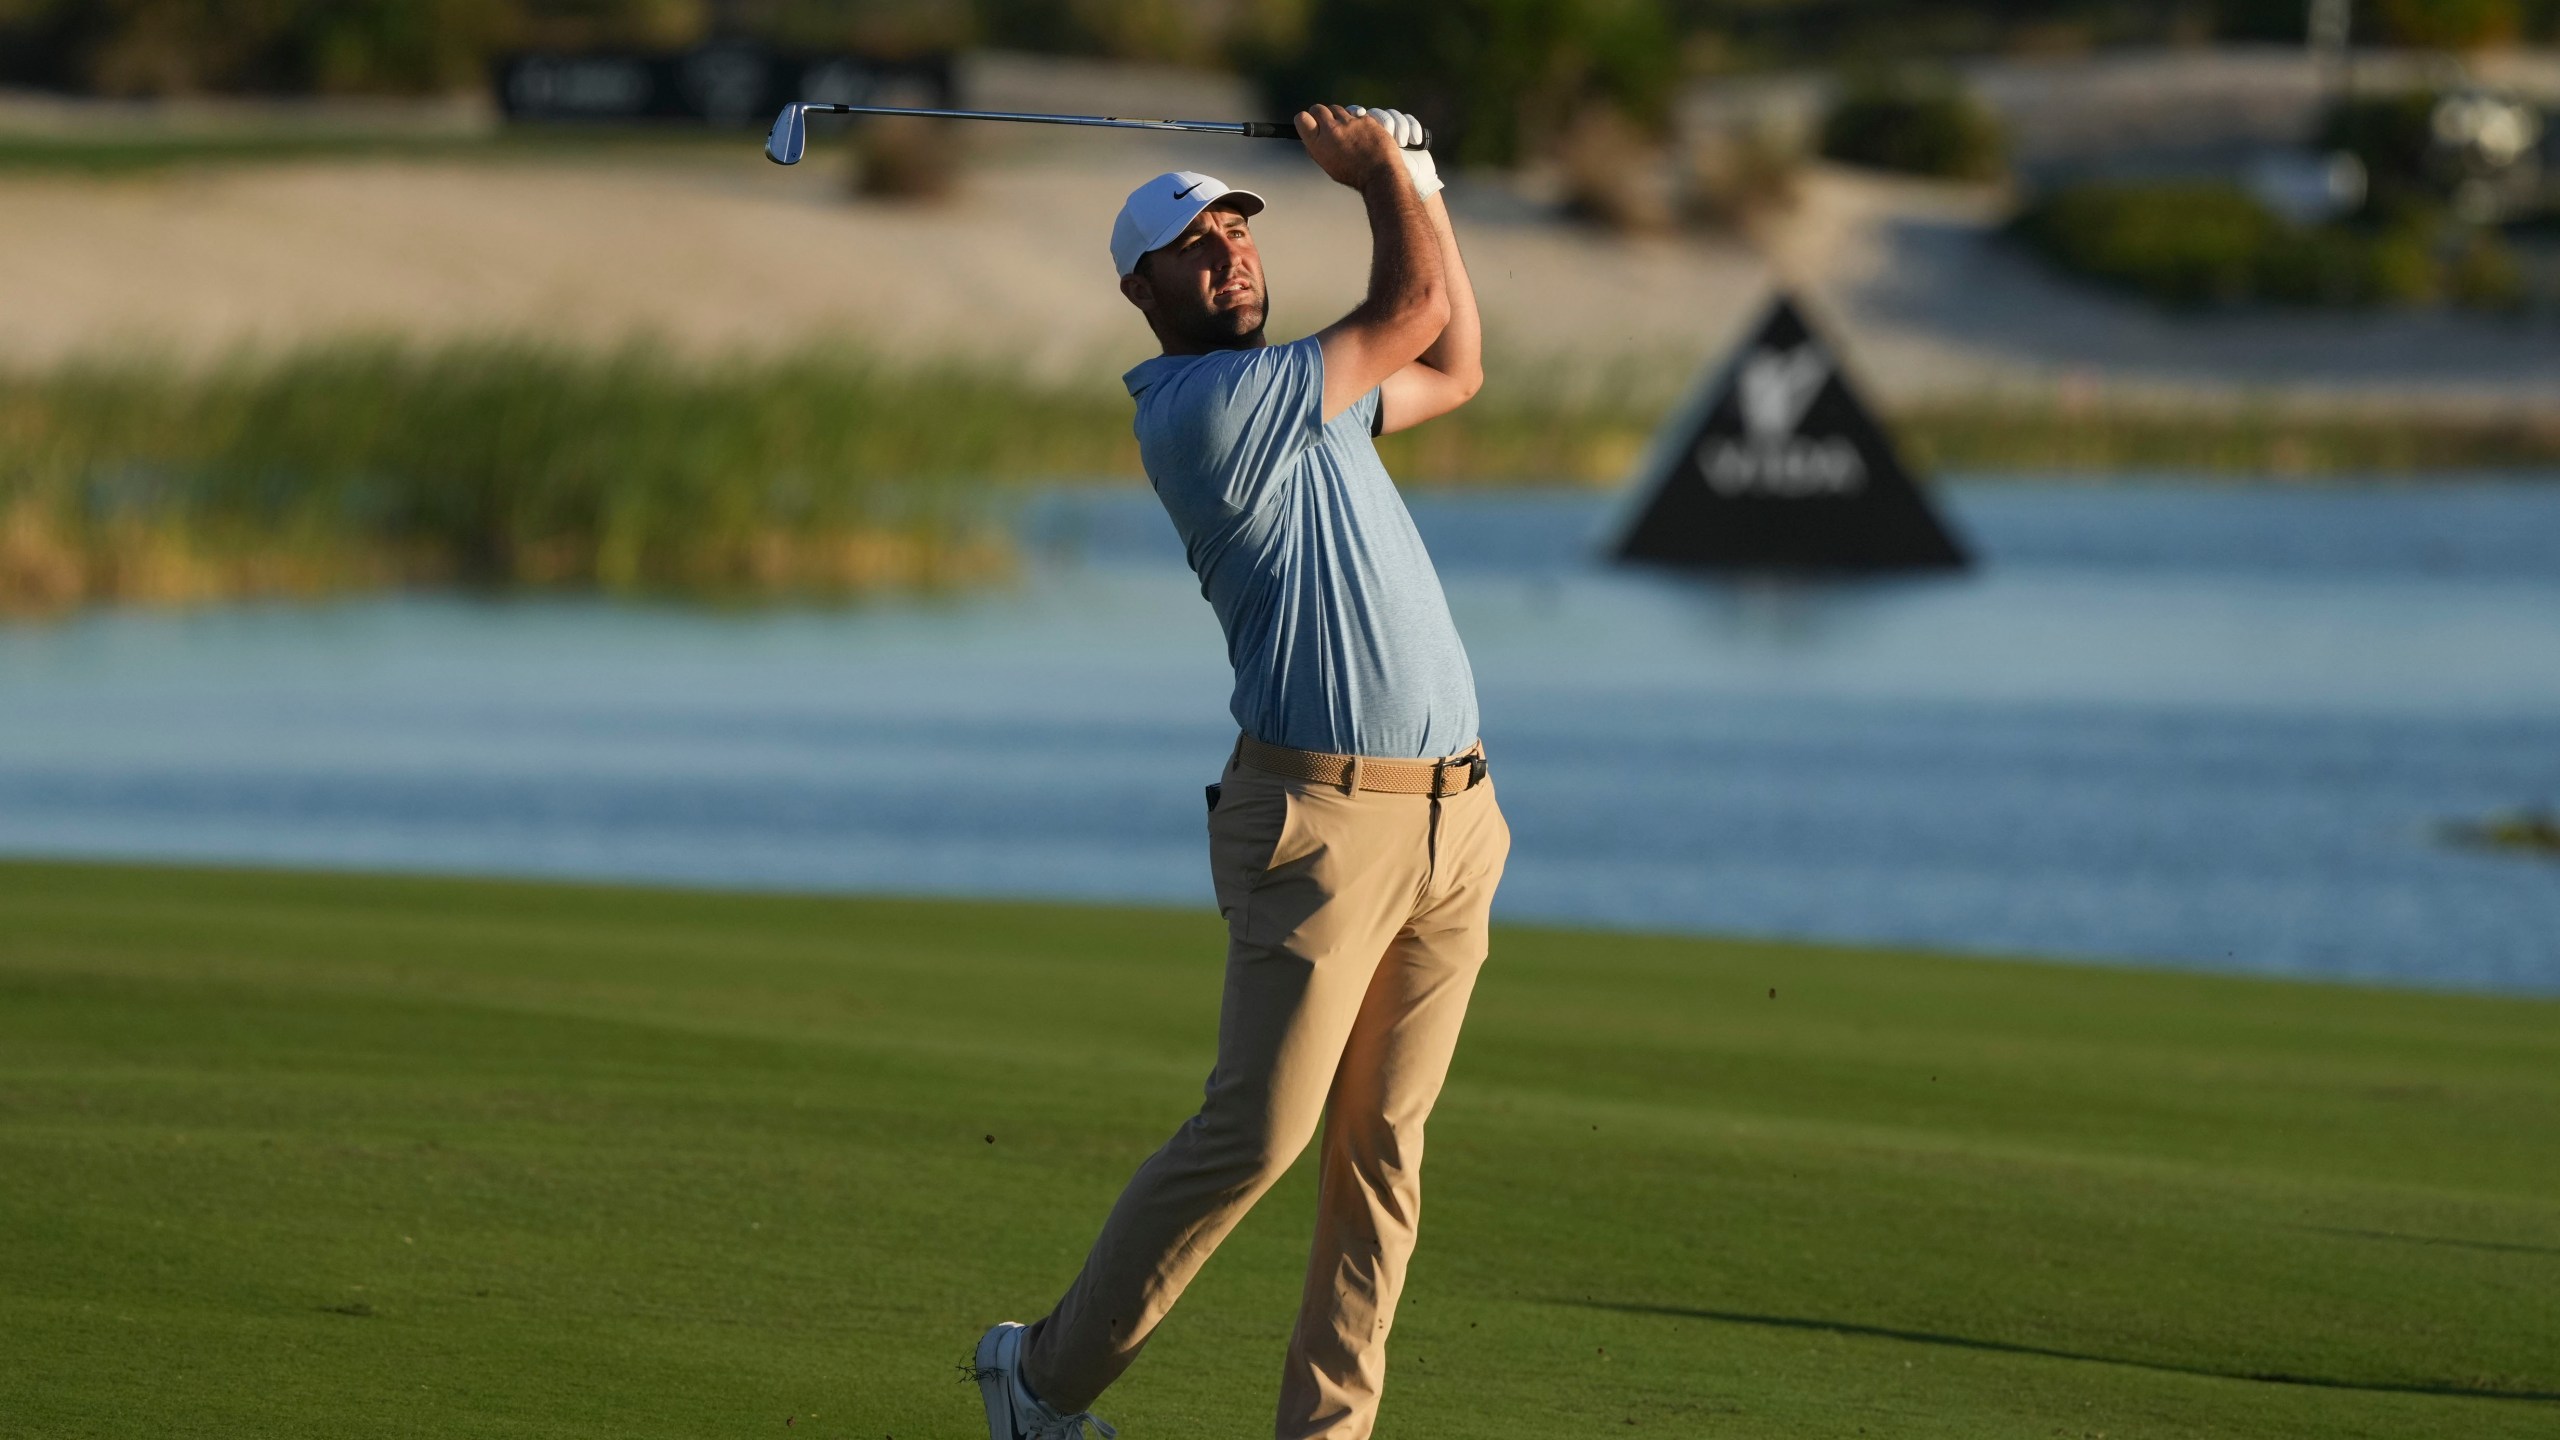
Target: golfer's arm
(1408, 303)
(1448, 374)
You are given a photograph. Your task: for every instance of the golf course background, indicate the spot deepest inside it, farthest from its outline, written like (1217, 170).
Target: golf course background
(297, 1155)
(350, 448)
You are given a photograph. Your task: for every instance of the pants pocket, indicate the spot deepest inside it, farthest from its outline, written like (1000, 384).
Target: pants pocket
(1246, 824)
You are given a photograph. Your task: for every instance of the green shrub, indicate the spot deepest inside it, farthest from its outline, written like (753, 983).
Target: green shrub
(1915, 129)
(165, 47)
(2484, 275)
(898, 157)
(2185, 244)
(1496, 80)
(2320, 266)
(170, 47)
(2394, 137)
(2401, 268)
(2450, 24)
(1155, 30)
(2198, 243)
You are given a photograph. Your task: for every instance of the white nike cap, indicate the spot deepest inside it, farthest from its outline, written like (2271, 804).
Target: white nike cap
(1156, 212)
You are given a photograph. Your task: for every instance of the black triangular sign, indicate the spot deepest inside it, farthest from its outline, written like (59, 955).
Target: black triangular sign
(1777, 465)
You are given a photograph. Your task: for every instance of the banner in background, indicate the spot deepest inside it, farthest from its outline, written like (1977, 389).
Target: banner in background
(1776, 464)
(727, 84)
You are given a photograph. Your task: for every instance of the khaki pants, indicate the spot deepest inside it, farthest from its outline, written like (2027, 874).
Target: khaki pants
(1356, 926)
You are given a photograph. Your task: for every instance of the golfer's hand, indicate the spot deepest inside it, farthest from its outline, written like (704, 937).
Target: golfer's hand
(1352, 148)
(1408, 133)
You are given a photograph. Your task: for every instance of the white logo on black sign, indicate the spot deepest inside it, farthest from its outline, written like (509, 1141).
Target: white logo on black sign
(1776, 388)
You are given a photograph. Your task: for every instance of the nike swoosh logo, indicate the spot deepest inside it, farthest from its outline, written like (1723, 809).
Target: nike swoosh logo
(1185, 192)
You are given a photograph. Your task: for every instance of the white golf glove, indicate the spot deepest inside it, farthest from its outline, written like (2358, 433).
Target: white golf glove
(1408, 132)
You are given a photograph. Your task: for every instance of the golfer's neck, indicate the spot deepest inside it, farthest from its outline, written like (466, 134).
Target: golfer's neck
(1180, 345)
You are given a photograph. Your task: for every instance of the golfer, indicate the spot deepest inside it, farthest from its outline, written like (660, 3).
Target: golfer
(1353, 838)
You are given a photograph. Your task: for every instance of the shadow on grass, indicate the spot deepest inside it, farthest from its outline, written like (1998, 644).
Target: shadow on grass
(2004, 1347)
(2500, 1246)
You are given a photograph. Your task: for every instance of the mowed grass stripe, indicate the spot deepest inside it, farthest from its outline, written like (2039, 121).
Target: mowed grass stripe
(297, 1155)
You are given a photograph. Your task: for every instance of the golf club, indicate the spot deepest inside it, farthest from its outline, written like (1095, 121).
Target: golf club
(790, 135)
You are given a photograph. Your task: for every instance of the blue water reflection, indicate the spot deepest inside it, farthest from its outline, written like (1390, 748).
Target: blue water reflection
(2209, 727)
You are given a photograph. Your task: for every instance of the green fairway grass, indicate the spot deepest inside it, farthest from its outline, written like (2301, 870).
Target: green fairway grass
(291, 1155)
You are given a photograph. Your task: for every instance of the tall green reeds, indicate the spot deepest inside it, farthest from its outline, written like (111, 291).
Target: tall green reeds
(824, 472)
(366, 464)
(2050, 436)
(506, 463)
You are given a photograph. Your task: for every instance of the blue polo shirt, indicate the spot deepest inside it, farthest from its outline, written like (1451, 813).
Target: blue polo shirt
(1340, 637)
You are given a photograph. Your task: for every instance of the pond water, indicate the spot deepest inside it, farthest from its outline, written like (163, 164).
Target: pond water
(2210, 727)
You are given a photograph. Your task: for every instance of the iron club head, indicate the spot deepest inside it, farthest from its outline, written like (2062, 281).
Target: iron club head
(790, 135)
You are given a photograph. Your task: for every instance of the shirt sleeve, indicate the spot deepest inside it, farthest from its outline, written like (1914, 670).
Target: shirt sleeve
(1238, 422)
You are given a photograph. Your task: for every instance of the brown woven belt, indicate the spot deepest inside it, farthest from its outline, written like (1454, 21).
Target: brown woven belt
(1435, 778)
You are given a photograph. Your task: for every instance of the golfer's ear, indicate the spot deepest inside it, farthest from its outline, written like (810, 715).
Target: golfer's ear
(1135, 287)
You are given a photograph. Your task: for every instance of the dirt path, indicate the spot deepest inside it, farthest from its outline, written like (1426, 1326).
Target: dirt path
(716, 257)
(754, 257)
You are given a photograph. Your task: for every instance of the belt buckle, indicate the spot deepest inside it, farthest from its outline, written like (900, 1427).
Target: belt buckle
(1472, 765)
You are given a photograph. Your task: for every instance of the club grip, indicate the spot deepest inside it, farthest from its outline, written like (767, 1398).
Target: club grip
(1284, 130)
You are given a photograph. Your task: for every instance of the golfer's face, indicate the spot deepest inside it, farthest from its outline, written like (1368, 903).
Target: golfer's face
(1211, 269)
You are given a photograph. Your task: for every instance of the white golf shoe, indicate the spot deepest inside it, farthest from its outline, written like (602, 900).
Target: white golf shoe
(1013, 1412)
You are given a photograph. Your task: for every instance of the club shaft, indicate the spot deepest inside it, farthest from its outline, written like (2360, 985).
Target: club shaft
(1249, 129)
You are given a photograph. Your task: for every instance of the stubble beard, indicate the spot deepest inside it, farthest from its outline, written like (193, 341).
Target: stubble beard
(1237, 329)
